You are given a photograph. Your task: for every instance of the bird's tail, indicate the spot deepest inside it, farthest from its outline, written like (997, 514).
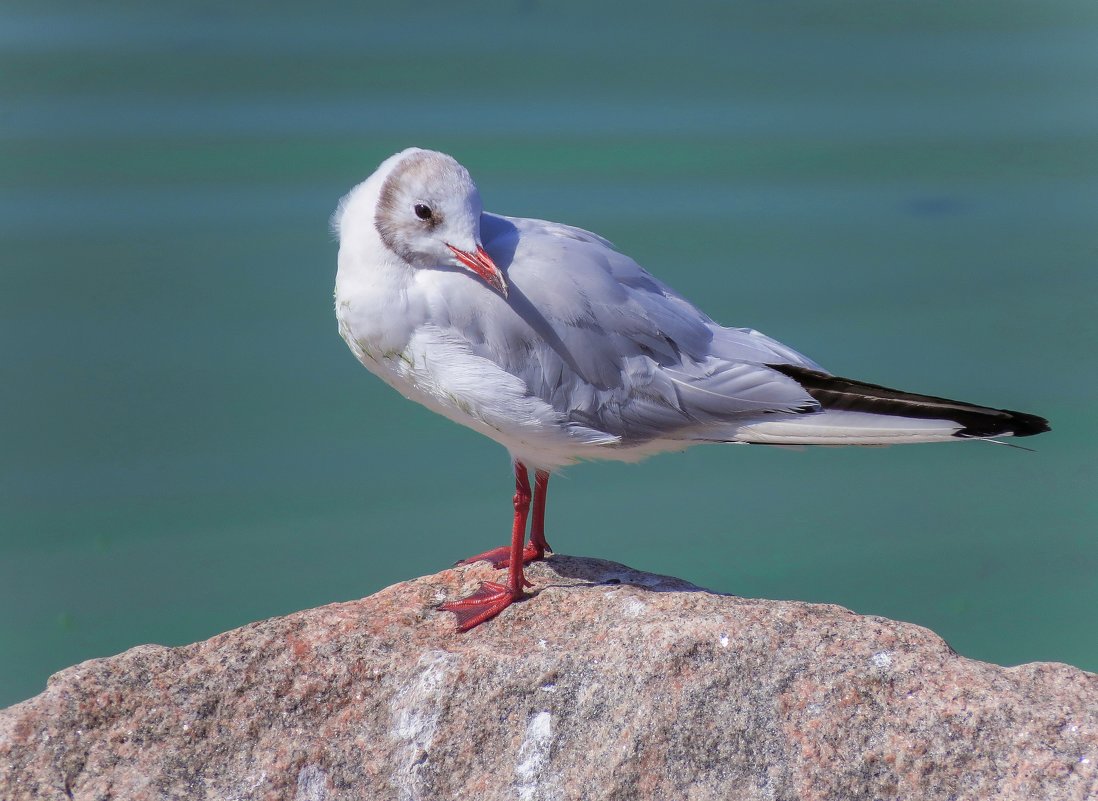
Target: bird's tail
(857, 413)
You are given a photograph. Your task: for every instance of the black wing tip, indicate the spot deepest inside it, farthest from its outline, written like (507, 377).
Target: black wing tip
(835, 392)
(1020, 424)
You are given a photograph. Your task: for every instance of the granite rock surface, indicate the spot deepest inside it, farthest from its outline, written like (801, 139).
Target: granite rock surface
(608, 684)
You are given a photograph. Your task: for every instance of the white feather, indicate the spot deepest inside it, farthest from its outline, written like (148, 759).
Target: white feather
(834, 427)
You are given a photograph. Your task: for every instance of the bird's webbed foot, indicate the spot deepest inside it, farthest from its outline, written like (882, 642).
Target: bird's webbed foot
(484, 604)
(501, 557)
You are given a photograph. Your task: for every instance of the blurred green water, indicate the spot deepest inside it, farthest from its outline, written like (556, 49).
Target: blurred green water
(908, 194)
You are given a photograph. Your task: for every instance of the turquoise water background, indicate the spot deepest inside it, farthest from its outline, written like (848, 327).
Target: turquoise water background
(906, 192)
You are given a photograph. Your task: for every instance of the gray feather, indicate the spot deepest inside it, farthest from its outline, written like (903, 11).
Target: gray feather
(609, 346)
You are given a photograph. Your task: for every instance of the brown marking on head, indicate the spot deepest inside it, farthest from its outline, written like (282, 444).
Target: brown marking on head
(395, 219)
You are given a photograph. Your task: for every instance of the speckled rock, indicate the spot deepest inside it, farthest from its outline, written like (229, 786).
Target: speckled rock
(609, 684)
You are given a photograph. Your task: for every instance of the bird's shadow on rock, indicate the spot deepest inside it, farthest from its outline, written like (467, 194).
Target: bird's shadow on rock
(585, 571)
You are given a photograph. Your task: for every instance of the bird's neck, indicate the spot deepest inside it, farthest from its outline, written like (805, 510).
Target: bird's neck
(375, 301)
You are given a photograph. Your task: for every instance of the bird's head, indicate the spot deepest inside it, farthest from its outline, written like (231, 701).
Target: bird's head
(427, 212)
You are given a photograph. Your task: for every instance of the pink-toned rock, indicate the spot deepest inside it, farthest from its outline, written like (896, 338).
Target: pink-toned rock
(610, 684)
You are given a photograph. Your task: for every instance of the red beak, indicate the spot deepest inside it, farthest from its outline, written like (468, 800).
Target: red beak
(481, 264)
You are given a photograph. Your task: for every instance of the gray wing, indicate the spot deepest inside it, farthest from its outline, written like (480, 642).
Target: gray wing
(612, 348)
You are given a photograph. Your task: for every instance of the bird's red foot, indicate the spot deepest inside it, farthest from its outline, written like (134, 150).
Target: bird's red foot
(484, 604)
(501, 557)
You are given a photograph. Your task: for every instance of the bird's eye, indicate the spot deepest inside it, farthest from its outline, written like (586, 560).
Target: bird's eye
(423, 212)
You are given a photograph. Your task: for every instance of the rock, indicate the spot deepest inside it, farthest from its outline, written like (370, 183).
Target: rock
(609, 684)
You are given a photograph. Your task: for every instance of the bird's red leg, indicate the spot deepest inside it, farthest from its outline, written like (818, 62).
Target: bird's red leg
(538, 545)
(501, 557)
(493, 598)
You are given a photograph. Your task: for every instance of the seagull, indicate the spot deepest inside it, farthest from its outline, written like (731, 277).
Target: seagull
(547, 339)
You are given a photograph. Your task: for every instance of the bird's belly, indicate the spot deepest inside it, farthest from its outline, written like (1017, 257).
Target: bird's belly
(527, 427)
